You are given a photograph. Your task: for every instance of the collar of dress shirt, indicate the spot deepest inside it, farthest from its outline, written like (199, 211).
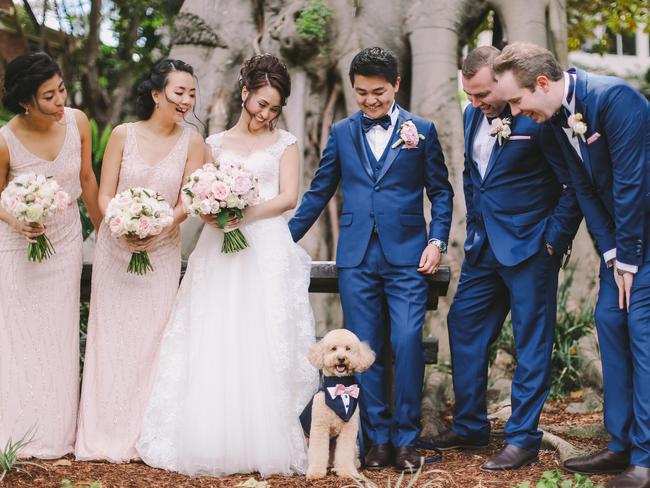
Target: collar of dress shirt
(571, 104)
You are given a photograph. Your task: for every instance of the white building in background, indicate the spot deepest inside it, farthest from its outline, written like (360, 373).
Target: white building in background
(628, 56)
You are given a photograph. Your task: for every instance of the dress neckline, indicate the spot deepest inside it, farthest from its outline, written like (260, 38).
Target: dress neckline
(265, 149)
(36, 156)
(165, 158)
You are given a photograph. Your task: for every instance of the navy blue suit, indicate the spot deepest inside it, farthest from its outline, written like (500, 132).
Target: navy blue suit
(382, 237)
(512, 211)
(611, 185)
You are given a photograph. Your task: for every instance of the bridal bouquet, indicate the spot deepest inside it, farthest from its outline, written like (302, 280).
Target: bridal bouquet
(224, 191)
(33, 198)
(138, 212)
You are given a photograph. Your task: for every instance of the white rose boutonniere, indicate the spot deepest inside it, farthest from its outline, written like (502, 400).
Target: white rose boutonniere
(577, 125)
(408, 135)
(501, 129)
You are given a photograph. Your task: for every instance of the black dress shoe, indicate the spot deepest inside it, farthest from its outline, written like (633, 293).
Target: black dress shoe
(600, 462)
(378, 457)
(632, 477)
(407, 457)
(451, 440)
(510, 457)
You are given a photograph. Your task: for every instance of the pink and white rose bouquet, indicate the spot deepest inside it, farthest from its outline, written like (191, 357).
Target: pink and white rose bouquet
(32, 198)
(138, 212)
(222, 190)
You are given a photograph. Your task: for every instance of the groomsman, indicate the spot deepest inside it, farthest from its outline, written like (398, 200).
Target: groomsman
(385, 158)
(520, 221)
(602, 125)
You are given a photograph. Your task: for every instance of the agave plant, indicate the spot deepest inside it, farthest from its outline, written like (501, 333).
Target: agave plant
(9, 456)
(401, 481)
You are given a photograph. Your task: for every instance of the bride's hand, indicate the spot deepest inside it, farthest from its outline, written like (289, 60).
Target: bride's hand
(210, 220)
(135, 244)
(233, 223)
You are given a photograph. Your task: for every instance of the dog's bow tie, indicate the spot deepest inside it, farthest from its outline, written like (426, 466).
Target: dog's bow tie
(352, 390)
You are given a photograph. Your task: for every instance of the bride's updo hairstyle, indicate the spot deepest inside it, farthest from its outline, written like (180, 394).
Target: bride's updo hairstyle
(23, 76)
(157, 81)
(262, 70)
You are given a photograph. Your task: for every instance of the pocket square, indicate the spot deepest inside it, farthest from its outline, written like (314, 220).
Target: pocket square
(593, 137)
(519, 138)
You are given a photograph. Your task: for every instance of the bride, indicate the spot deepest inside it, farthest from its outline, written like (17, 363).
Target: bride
(233, 375)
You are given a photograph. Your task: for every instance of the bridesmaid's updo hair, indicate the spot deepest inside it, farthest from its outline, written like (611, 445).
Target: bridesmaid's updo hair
(265, 69)
(23, 76)
(157, 81)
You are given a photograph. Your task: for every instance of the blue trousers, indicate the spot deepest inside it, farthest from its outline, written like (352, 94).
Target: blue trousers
(381, 300)
(486, 292)
(624, 340)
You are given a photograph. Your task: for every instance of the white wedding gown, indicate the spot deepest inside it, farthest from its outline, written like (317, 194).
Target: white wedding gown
(233, 375)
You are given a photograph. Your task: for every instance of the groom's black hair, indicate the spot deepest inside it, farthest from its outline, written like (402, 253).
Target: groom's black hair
(375, 61)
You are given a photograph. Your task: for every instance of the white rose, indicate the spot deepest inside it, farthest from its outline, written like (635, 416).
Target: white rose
(34, 213)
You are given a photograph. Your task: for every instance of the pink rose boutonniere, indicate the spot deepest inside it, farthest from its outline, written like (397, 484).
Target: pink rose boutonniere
(577, 125)
(408, 135)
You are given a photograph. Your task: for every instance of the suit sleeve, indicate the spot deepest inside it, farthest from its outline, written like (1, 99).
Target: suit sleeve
(437, 186)
(624, 117)
(322, 187)
(566, 217)
(468, 185)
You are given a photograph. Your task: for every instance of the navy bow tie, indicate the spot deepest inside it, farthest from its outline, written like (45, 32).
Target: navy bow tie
(367, 123)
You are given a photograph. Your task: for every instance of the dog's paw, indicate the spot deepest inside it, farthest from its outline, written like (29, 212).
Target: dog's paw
(316, 474)
(347, 473)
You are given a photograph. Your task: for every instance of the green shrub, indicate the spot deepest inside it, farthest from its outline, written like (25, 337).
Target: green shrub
(312, 22)
(555, 479)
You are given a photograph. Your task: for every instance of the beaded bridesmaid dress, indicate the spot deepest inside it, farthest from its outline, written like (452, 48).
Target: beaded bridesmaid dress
(39, 312)
(128, 314)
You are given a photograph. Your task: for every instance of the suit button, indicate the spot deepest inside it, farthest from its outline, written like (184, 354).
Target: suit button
(372, 215)
(377, 188)
(482, 190)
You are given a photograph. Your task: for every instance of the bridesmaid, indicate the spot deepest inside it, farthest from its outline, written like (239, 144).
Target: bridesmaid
(128, 312)
(39, 302)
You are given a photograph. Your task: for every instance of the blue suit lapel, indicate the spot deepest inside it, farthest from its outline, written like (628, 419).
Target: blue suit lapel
(393, 152)
(356, 134)
(496, 150)
(474, 122)
(581, 107)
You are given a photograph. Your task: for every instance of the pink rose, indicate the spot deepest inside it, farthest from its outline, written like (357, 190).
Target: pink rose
(241, 184)
(115, 225)
(409, 134)
(219, 190)
(144, 227)
(61, 199)
(123, 200)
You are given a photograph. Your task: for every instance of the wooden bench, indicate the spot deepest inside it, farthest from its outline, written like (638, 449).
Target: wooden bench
(324, 279)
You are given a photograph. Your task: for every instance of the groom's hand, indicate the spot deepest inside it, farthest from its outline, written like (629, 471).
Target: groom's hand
(430, 260)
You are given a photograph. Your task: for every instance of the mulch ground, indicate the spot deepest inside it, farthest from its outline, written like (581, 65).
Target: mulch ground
(456, 469)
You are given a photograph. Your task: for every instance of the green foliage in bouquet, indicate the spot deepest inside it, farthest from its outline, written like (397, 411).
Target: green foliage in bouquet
(571, 326)
(9, 455)
(555, 479)
(312, 22)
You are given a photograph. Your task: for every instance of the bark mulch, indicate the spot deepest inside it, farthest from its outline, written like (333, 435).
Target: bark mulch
(456, 469)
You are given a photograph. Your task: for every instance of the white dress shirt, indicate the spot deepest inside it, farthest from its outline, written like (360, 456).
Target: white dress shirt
(571, 106)
(483, 145)
(378, 137)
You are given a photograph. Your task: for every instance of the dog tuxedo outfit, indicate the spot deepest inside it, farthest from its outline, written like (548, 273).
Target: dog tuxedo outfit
(341, 395)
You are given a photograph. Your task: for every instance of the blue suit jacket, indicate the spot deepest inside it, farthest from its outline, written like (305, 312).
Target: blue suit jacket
(524, 198)
(612, 182)
(393, 201)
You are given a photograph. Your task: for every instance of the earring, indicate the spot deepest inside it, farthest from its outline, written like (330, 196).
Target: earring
(157, 104)
(242, 104)
(26, 111)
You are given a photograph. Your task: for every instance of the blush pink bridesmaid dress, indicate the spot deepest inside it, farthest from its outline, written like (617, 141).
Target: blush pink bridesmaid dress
(39, 312)
(128, 314)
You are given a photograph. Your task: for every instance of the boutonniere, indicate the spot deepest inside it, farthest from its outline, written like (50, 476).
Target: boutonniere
(501, 129)
(577, 125)
(408, 135)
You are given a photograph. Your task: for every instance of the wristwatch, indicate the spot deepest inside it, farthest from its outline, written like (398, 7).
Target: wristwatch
(441, 245)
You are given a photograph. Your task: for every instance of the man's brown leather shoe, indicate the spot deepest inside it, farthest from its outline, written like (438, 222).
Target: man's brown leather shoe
(407, 457)
(510, 457)
(632, 477)
(451, 440)
(600, 462)
(378, 457)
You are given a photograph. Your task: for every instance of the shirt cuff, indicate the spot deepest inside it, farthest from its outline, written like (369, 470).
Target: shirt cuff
(630, 268)
(609, 255)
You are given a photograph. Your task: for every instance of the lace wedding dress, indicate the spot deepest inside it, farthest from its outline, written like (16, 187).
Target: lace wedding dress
(233, 375)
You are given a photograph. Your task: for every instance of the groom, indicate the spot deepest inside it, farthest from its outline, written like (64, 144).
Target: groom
(385, 158)
(601, 123)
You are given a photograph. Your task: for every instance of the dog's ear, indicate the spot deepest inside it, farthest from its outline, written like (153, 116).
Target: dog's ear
(365, 357)
(316, 356)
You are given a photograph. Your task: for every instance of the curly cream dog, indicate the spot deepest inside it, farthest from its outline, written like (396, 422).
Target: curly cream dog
(340, 355)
